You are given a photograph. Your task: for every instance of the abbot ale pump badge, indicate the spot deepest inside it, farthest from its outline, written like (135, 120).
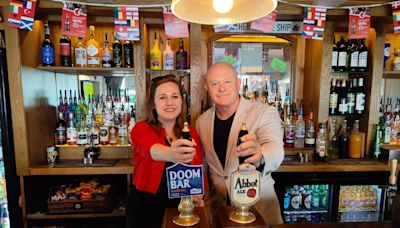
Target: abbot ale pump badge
(245, 187)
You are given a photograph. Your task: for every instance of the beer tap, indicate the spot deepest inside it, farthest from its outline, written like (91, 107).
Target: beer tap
(392, 188)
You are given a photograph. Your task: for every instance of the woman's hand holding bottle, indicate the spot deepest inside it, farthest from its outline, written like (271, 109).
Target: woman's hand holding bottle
(182, 150)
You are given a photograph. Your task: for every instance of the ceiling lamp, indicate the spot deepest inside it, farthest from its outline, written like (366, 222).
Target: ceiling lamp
(214, 12)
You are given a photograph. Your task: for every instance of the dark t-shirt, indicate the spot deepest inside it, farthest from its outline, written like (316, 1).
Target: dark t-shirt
(221, 136)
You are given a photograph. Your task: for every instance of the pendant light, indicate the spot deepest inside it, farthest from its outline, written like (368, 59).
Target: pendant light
(214, 12)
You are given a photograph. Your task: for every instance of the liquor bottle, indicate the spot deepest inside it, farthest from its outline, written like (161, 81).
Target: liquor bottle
(343, 108)
(71, 131)
(113, 131)
(310, 131)
(335, 54)
(155, 55)
(94, 133)
(47, 48)
(387, 131)
(333, 99)
(65, 51)
(61, 130)
(185, 134)
(243, 131)
(82, 138)
(168, 57)
(360, 97)
(245, 90)
(351, 98)
(342, 59)
(299, 129)
(117, 53)
(5, 219)
(289, 131)
(128, 54)
(181, 57)
(355, 148)
(343, 143)
(80, 53)
(377, 149)
(363, 57)
(92, 151)
(104, 135)
(320, 147)
(354, 55)
(93, 50)
(106, 55)
(123, 133)
(333, 141)
(287, 106)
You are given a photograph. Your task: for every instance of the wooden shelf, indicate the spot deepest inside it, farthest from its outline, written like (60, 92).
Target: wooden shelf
(96, 71)
(391, 74)
(123, 166)
(72, 216)
(167, 71)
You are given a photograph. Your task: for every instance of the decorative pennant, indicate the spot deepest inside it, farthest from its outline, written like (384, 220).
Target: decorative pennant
(396, 16)
(21, 14)
(314, 23)
(74, 20)
(265, 24)
(359, 23)
(126, 23)
(174, 27)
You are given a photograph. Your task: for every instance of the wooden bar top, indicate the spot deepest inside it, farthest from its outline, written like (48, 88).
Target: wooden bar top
(125, 166)
(335, 165)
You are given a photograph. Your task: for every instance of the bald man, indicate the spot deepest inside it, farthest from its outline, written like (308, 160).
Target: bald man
(219, 128)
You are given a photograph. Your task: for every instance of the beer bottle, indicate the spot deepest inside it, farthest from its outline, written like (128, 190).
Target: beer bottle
(185, 134)
(243, 131)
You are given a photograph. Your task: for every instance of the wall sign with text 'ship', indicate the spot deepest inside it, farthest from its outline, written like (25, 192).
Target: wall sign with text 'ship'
(185, 180)
(280, 27)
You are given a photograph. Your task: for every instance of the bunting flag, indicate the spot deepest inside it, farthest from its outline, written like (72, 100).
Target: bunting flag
(74, 20)
(314, 23)
(126, 23)
(396, 16)
(265, 24)
(174, 27)
(21, 14)
(359, 23)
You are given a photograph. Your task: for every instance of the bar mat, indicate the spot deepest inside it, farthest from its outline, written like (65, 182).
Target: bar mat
(355, 162)
(65, 163)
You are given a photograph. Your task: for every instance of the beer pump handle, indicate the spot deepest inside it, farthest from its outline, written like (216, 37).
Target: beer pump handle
(392, 177)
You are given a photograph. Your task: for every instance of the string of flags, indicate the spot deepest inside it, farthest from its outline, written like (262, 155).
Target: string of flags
(126, 19)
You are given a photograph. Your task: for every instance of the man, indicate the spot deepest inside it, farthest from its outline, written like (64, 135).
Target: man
(219, 128)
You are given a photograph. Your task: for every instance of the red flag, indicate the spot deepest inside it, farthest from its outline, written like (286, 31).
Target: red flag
(21, 14)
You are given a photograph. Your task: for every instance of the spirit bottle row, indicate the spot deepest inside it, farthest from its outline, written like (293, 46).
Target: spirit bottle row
(389, 122)
(350, 56)
(88, 54)
(106, 121)
(347, 96)
(168, 59)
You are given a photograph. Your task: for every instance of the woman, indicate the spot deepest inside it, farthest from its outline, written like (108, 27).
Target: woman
(156, 146)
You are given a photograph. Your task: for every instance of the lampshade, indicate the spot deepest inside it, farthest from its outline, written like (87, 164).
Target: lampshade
(213, 12)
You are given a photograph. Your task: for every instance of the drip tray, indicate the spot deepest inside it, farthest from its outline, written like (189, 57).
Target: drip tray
(65, 163)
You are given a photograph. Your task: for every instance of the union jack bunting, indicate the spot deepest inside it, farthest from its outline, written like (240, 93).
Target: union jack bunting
(314, 23)
(126, 23)
(396, 16)
(21, 14)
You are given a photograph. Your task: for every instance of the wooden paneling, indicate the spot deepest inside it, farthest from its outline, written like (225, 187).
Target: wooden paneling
(324, 81)
(16, 98)
(140, 74)
(299, 68)
(375, 85)
(196, 82)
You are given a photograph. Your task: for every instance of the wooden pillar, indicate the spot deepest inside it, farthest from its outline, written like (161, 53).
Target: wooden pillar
(140, 73)
(377, 71)
(324, 82)
(196, 84)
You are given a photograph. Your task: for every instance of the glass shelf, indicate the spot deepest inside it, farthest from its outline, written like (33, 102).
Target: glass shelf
(96, 71)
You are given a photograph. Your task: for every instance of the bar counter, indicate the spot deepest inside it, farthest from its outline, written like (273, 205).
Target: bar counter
(385, 224)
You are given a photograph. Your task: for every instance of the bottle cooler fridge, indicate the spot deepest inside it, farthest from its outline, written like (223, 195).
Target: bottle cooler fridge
(331, 196)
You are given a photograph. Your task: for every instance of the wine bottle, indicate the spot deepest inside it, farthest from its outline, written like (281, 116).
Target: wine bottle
(80, 53)
(128, 54)
(65, 51)
(117, 53)
(335, 54)
(363, 57)
(181, 57)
